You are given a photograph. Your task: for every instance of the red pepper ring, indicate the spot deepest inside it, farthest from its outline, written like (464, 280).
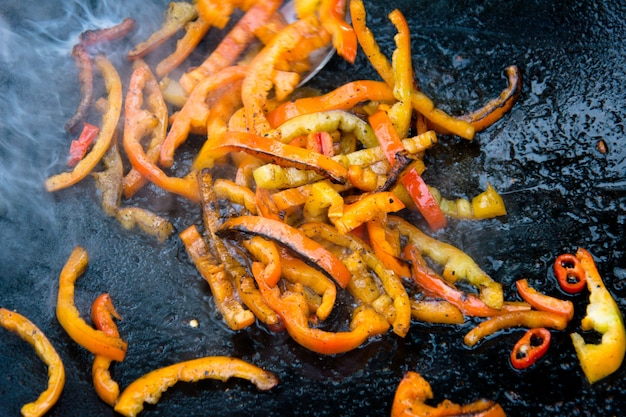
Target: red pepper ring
(532, 346)
(570, 273)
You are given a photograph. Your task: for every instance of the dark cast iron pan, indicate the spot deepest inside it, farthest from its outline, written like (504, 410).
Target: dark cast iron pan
(560, 190)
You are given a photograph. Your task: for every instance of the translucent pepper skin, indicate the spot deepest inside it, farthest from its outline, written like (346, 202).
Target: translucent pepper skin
(603, 315)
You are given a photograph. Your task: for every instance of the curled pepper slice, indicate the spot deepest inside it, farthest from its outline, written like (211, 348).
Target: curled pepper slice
(29, 332)
(532, 346)
(544, 302)
(603, 316)
(149, 387)
(95, 341)
(569, 273)
(413, 392)
(102, 314)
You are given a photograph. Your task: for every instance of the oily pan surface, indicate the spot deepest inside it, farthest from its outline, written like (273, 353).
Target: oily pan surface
(560, 192)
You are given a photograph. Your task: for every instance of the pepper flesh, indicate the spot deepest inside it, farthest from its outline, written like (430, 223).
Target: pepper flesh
(603, 315)
(29, 332)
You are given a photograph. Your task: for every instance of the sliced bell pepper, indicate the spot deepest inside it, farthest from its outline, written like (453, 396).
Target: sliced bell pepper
(323, 202)
(570, 273)
(151, 386)
(413, 392)
(383, 250)
(371, 206)
(332, 14)
(604, 316)
(266, 252)
(85, 80)
(544, 302)
(29, 332)
(80, 146)
(194, 32)
(95, 341)
(236, 193)
(265, 204)
(102, 314)
(423, 198)
(400, 113)
(530, 348)
(436, 311)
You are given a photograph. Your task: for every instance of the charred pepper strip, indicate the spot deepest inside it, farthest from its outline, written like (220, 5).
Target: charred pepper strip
(29, 332)
(109, 124)
(95, 341)
(604, 316)
(570, 273)
(93, 37)
(532, 346)
(102, 314)
(194, 32)
(413, 392)
(266, 251)
(149, 387)
(85, 80)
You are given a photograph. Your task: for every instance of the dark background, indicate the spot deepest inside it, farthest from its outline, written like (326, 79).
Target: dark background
(561, 193)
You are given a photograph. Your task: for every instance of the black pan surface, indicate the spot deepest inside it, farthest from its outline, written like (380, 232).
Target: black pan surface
(561, 193)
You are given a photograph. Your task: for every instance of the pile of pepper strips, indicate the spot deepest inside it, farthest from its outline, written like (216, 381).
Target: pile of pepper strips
(311, 198)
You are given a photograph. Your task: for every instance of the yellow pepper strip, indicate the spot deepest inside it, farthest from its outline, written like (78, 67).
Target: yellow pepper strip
(443, 122)
(102, 314)
(236, 193)
(526, 318)
(110, 118)
(149, 387)
(457, 264)
(486, 205)
(367, 208)
(235, 316)
(436, 311)
(323, 201)
(400, 113)
(95, 341)
(22, 326)
(603, 315)
(265, 251)
(414, 391)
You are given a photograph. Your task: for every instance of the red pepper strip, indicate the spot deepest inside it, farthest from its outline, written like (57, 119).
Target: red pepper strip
(79, 147)
(278, 153)
(92, 37)
(312, 252)
(196, 111)
(292, 308)
(331, 14)
(231, 47)
(321, 142)
(266, 252)
(570, 273)
(424, 200)
(532, 346)
(496, 108)
(102, 314)
(529, 318)
(85, 80)
(435, 286)
(110, 118)
(343, 97)
(384, 251)
(544, 302)
(27, 331)
(386, 134)
(95, 341)
(413, 392)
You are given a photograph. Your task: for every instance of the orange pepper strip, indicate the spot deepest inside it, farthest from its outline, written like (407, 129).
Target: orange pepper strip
(196, 111)
(266, 251)
(495, 109)
(265, 205)
(214, 274)
(149, 387)
(136, 122)
(331, 14)
(292, 308)
(544, 302)
(384, 251)
(258, 82)
(401, 112)
(436, 311)
(102, 314)
(413, 392)
(312, 252)
(194, 32)
(236, 193)
(368, 42)
(109, 124)
(133, 181)
(278, 153)
(529, 318)
(366, 209)
(344, 97)
(29, 332)
(232, 45)
(95, 341)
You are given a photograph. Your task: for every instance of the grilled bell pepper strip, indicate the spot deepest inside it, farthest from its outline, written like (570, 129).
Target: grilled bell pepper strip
(384, 251)
(265, 204)
(436, 311)
(138, 121)
(323, 202)
(344, 97)
(85, 81)
(604, 316)
(544, 302)
(232, 45)
(29, 332)
(441, 121)
(331, 13)
(80, 146)
(266, 252)
(312, 252)
(457, 264)
(570, 274)
(236, 193)
(485, 205)
(95, 341)
(530, 348)
(413, 392)
(401, 62)
(109, 124)
(529, 318)
(102, 314)
(93, 37)
(293, 311)
(151, 386)
(367, 208)
(194, 32)
(276, 152)
(498, 107)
